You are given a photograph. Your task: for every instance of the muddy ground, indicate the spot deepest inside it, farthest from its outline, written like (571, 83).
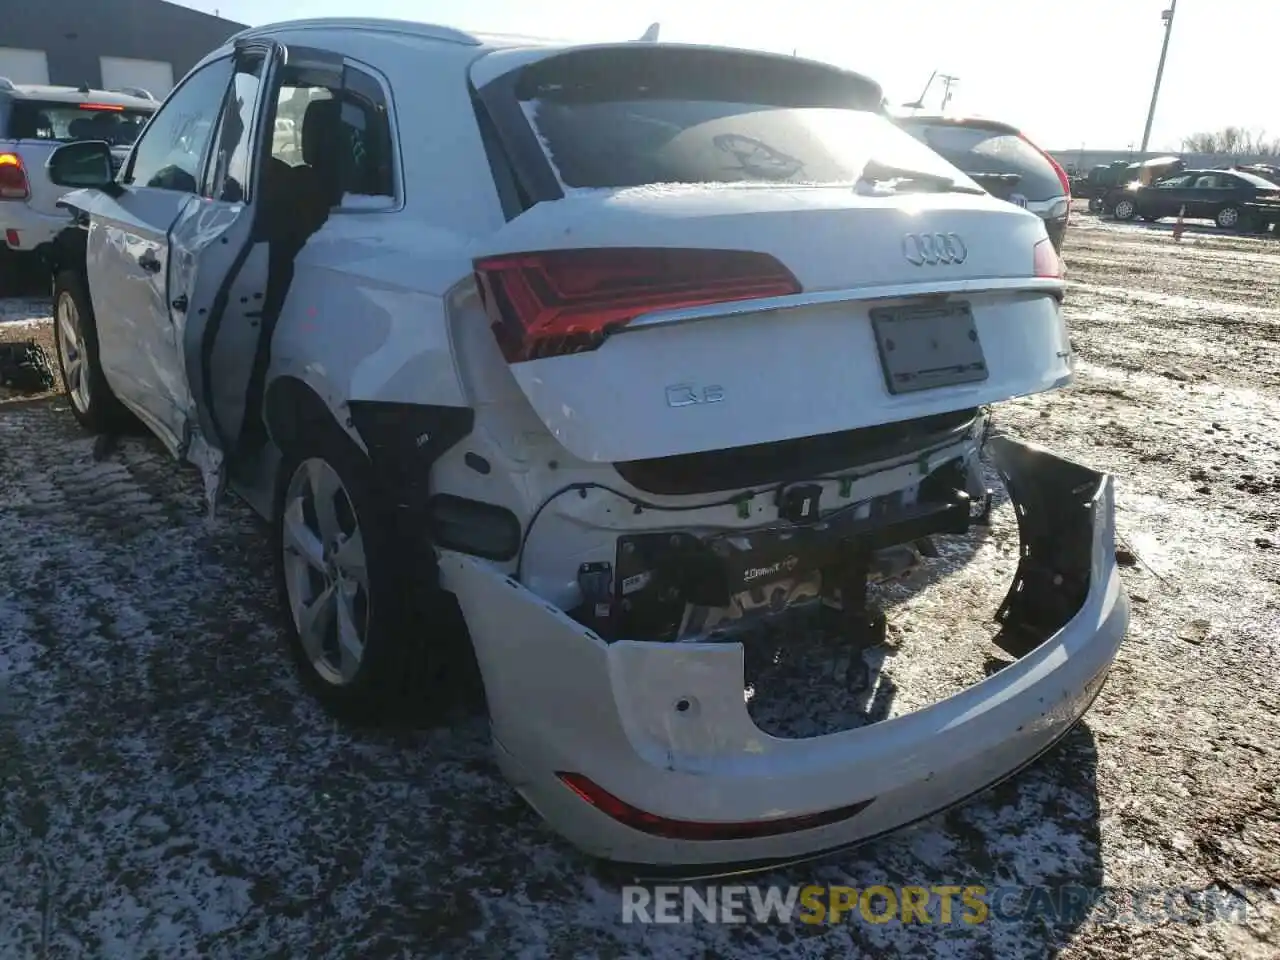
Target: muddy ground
(167, 791)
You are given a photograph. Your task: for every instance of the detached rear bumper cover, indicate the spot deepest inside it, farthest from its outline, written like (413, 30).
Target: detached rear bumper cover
(561, 699)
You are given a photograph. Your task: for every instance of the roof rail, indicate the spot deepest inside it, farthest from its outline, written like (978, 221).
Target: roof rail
(430, 31)
(6, 84)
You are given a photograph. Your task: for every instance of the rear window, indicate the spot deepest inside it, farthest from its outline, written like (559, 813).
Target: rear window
(1254, 180)
(979, 151)
(65, 122)
(666, 116)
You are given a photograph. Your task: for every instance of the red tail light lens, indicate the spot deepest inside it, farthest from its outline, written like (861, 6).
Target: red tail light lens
(657, 826)
(13, 178)
(101, 106)
(1047, 262)
(558, 302)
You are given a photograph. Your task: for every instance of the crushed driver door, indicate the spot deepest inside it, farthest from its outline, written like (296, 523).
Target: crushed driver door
(221, 252)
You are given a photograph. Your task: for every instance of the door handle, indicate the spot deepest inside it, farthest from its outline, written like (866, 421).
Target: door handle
(181, 303)
(149, 262)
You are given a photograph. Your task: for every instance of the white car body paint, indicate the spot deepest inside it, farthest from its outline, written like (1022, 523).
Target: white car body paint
(383, 306)
(562, 696)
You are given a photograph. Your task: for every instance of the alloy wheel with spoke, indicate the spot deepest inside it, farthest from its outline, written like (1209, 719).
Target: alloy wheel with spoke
(326, 573)
(72, 352)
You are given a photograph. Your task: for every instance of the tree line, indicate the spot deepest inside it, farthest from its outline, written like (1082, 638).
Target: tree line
(1233, 140)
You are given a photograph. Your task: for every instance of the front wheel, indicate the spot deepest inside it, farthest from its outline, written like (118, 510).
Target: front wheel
(1125, 209)
(1228, 218)
(372, 638)
(75, 333)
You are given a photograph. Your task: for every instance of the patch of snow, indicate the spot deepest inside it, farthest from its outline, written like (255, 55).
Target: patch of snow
(24, 311)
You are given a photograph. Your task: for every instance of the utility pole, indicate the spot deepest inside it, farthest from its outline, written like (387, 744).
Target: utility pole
(947, 81)
(1167, 17)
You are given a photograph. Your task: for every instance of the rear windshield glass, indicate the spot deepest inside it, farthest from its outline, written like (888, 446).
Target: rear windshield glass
(64, 122)
(635, 142)
(978, 151)
(641, 115)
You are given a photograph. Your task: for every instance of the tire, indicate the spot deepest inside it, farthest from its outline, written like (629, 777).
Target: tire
(1095, 205)
(75, 334)
(1229, 218)
(411, 658)
(1150, 219)
(1125, 209)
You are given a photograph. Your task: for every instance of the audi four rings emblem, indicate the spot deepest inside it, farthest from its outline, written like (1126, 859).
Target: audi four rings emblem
(934, 248)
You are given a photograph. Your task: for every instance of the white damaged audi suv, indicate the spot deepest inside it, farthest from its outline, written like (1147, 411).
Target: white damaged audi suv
(618, 350)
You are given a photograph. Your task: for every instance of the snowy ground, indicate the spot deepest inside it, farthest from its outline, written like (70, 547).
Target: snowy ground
(167, 791)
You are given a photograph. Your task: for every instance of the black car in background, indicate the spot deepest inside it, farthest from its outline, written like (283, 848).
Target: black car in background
(1233, 199)
(1002, 160)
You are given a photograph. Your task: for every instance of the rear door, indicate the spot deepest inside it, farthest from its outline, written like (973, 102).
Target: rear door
(710, 249)
(1205, 195)
(221, 247)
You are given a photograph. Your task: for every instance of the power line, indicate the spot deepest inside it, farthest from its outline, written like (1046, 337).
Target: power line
(947, 82)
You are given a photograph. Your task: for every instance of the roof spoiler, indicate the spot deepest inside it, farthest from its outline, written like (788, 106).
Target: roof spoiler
(6, 84)
(650, 35)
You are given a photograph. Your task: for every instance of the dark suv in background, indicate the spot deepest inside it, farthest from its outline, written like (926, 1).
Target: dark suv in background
(1003, 161)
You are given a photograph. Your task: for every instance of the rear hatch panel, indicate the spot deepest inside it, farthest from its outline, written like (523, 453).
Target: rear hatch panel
(659, 147)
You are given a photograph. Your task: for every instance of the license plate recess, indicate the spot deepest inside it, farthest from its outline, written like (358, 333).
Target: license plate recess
(926, 346)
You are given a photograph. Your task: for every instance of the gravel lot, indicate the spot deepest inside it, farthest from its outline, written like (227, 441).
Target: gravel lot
(167, 791)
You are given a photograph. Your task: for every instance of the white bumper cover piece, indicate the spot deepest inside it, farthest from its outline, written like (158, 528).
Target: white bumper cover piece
(665, 728)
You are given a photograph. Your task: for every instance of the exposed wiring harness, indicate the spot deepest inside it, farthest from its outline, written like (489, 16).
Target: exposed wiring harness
(741, 497)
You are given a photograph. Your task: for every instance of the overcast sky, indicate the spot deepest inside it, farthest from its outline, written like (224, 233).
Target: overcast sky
(1070, 72)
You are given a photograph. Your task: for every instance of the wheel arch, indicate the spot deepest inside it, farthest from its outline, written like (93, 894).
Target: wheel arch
(66, 251)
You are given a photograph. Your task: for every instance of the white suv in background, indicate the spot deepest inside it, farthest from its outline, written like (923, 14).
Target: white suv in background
(620, 350)
(34, 120)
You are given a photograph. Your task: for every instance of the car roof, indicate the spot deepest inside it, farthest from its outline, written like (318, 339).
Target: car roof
(404, 28)
(481, 43)
(978, 123)
(52, 94)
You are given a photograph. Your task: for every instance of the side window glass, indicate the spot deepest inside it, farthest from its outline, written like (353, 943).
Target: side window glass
(233, 158)
(170, 154)
(342, 137)
(366, 130)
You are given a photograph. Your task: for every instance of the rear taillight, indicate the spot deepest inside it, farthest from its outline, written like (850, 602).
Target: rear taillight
(1047, 261)
(13, 178)
(657, 826)
(557, 302)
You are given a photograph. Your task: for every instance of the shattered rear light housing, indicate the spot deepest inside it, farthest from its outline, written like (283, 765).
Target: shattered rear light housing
(557, 302)
(657, 826)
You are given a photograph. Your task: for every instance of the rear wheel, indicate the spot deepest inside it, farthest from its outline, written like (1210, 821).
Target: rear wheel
(372, 640)
(1228, 218)
(76, 335)
(1095, 204)
(1125, 209)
